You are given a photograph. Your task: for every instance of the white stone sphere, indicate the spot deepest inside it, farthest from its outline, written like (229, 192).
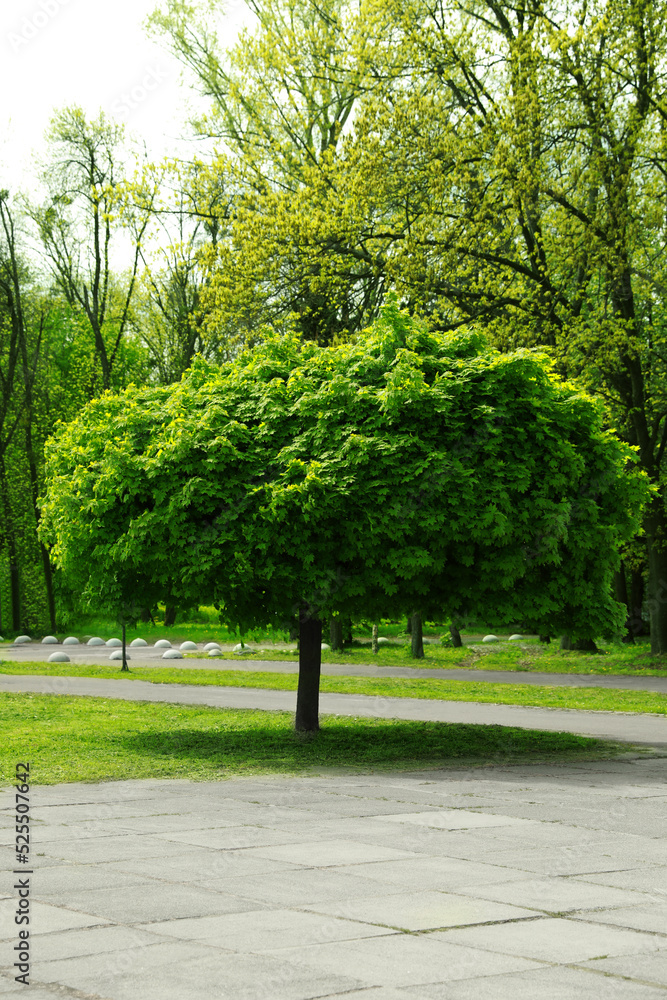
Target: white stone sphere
(58, 658)
(95, 641)
(189, 646)
(242, 652)
(383, 641)
(162, 644)
(326, 648)
(211, 645)
(113, 643)
(118, 655)
(490, 638)
(172, 654)
(138, 642)
(513, 638)
(49, 640)
(215, 652)
(21, 639)
(71, 640)
(239, 647)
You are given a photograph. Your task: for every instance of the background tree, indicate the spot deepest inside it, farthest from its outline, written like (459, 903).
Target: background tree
(93, 205)
(406, 471)
(281, 100)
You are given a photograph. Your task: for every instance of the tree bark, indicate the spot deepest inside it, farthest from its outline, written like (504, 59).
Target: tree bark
(336, 633)
(581, 645)
(310, 660)
(417, 641)
(169, 614)
(456, 636)
(374, 640)
(125, 666)
(657, 593)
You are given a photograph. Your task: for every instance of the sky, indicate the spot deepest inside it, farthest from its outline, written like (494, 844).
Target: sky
(94, 53)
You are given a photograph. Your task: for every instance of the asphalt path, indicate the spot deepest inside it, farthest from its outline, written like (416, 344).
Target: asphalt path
(628, 727)
(148, 656)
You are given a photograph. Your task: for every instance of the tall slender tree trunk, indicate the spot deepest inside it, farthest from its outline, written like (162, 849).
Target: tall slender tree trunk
(336, 633)
(12, 551)
(655, 526)
(417, 641)
(456, 635)
(374, 641)
(310, 661)
(125, 666)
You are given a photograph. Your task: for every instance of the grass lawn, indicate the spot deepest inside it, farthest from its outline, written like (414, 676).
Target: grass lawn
(591, 699)
(102, 739)
(615, 658)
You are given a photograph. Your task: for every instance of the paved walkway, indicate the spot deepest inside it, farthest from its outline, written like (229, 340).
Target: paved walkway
(502, 883)
(626, 726)
(150, 657)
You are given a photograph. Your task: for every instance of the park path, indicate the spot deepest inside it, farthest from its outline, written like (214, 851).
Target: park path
(625, 726)
(150, 657)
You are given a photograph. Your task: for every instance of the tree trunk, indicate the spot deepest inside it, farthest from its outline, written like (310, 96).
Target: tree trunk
(417, 641)
(12, 551)
(347, 632)
(545, 639)
(621, 595)
(408, 625)
(657, 597)
(336, 633)
(169, 614)
(374, 640)
(456, 636)
(636, 596)
(125, 666)
(581, 645)
(310, 660)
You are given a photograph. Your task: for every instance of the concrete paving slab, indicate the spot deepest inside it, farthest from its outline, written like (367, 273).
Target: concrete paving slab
(259, 930)
(133, 904)
(93, 941)
(651, 915)
(178, 971)
(72, 878)
(458, 819)
(112, 848)
(44, 919)
(437, 872)
(554, 939)
(651, 879)
(559, 895)
(422, 911)
(218, 864)
(303, 887)
(405, 960)
(234, 837)
(653, 967)
(546, 984)
(322, 854)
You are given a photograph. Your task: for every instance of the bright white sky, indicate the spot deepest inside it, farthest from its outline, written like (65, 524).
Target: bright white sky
(94, 53)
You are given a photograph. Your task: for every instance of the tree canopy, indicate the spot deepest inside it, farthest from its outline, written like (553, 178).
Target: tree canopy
(405, 470)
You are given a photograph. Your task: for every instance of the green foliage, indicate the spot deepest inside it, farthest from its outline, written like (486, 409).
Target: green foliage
(407, 469)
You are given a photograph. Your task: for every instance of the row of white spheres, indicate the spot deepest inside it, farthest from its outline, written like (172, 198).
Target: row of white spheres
(170, 653)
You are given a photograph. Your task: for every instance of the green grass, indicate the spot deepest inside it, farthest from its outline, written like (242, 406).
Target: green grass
(537, 696)
(101, 739)
(526, 658)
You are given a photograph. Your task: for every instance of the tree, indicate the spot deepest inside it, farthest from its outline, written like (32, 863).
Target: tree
(91, 205)
(281, 101)
(408, 470)
(519, 185)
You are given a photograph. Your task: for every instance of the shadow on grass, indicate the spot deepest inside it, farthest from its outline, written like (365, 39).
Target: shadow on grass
(360, 744)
